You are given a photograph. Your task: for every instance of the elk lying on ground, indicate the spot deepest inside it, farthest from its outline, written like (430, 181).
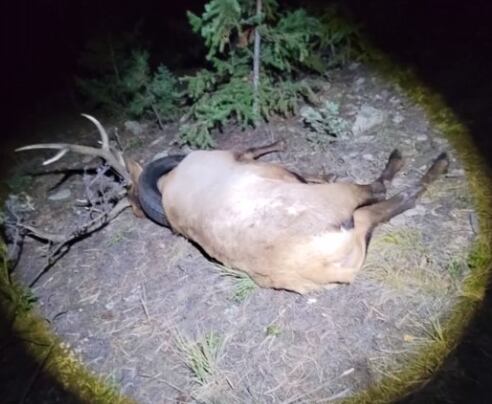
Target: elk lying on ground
(285, 231)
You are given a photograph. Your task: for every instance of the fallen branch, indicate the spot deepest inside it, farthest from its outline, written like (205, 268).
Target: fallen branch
(63, 242)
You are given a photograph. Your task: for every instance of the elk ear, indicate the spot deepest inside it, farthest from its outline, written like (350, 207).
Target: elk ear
(135, 170)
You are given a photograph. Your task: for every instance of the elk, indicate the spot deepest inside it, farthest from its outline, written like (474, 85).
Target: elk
(285, 230)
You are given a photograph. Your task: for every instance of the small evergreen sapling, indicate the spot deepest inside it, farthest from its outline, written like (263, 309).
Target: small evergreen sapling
(224, 91)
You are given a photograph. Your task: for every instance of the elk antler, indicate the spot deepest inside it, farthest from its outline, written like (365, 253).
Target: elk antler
(102, 209)
(113, 158)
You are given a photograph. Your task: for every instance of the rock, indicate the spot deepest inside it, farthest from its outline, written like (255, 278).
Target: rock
(368, 157)
(441, 141)
(353, 66)
(367, 118)
(399, 220)
(457, 172)
(418, 210)
(421, 138)
(394, 100)
(397, 118)
(61, 195)
(325, 87)
(135, 127)
(360, 81)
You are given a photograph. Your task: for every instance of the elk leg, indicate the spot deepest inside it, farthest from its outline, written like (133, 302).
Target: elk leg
(394, 164)
(375, 192)
(254, 152)
(368, 217)
(378, 187)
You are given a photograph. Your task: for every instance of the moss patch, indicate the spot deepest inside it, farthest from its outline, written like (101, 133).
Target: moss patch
(33, 341)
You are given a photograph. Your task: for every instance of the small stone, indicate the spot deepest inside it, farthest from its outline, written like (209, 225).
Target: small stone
(419, 210)
(368, 157)
(360, 81)
(457, 172)
(135, 127)
(421, 138)
(367, 118)
(399, 220)
(366, 138)
(61, 195)
(394, 100)
(397, 118)
(441, 141)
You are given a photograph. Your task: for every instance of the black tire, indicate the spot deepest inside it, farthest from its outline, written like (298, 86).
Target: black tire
(148, 194)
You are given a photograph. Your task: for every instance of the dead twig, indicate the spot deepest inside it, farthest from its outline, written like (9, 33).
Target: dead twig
(64, 241)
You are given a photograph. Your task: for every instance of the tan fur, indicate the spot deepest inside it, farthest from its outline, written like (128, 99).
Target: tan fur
(134, 169)
(259, 218)
(263, 220)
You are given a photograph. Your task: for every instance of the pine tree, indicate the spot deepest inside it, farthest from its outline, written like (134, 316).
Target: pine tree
(233, 88)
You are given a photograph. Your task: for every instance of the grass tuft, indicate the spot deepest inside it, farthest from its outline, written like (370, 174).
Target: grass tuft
(200, 357)
(244, 286)
(401, 260)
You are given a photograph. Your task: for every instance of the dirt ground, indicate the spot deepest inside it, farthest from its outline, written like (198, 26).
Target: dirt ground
(148, 312)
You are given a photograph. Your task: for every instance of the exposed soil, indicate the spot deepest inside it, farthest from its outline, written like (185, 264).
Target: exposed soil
(132, 299)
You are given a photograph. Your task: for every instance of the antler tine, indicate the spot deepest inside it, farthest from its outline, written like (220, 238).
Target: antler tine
(56, 157)
(104, 152)
(100, 128)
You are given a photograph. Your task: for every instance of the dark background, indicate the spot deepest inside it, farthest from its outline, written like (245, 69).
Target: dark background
(448, 43)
